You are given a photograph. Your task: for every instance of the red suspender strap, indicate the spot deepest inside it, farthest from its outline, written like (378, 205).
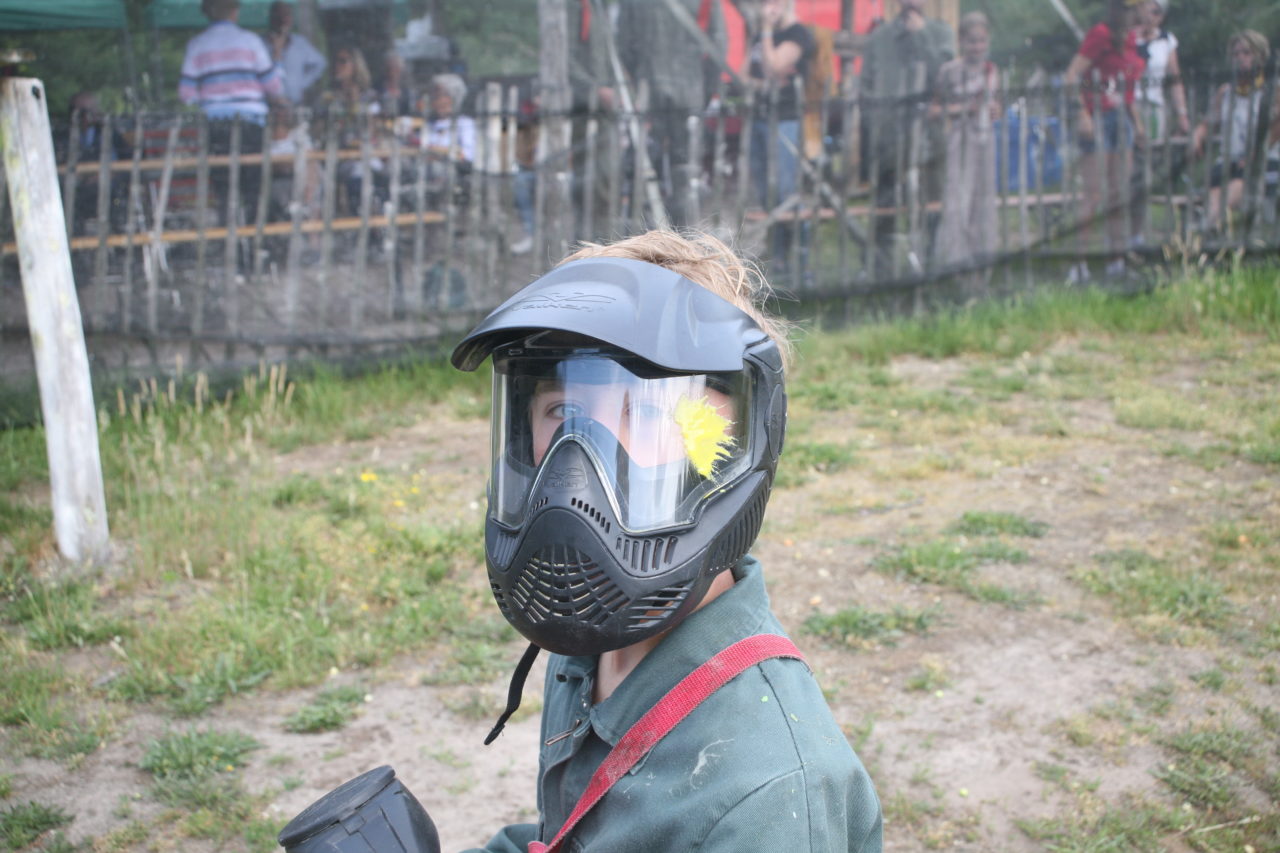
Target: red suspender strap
(584, 25)
(664, 716)
(704, 15)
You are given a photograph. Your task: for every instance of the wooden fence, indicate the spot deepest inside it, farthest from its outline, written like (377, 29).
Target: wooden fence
(358, 235)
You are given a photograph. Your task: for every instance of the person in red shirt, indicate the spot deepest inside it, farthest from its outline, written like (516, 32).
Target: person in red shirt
(1104, 73)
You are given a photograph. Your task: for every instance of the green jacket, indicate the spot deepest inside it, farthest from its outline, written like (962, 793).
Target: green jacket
(760, 765)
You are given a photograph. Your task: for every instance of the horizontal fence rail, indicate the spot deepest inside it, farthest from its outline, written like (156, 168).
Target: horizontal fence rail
(333, 234)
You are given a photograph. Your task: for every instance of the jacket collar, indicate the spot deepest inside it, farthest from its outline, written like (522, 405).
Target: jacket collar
(740, 611)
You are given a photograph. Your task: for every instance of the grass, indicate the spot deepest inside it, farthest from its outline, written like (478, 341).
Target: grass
(196, 771)
(275, 533)
(860, 627)
(63, 615)
(1134, 825)
(1204, 305)
(40, 706)
(21, 825)
(196, 753)
(980, 523)
(806, 459)
(1142, 585)
(953, 564)
(329, 710)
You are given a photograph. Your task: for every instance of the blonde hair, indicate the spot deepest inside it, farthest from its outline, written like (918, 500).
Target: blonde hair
(974, 20)
(705, 260)
(1255, 41)
(361, 78)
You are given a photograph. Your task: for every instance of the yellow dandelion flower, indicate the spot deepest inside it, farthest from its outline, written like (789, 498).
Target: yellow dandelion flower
(368, 477)
(397, 503)
(413, 490)
(705, 432)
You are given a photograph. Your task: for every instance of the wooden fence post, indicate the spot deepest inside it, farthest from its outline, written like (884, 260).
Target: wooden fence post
(556, 99)
(53, 316)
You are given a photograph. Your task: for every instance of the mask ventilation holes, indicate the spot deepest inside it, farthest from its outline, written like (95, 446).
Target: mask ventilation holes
(658, 607)
(738, 539)
(501, 599)
(540, 504)
(592, 513)
(646, 555)
(560, 582)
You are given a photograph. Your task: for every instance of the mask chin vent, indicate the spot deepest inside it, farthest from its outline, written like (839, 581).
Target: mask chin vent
(560, 582)
(591, 512)
(651, 610)
(646, 555)
(502, 547)
(733, 544)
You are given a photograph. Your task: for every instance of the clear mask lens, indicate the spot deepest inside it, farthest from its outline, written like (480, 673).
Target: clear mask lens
(661, 443)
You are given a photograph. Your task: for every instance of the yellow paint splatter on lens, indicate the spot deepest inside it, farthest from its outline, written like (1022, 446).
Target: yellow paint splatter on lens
(705, 432)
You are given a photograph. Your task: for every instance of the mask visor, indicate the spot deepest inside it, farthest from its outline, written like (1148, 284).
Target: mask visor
(661, 443)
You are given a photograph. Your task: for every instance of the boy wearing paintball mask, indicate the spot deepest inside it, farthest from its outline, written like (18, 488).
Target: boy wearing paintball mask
(638, 416)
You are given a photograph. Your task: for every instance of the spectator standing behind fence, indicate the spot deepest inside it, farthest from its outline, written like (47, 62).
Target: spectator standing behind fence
(657, 48)
(451, 138)
(1234, 115)
(778, 63)
(1159, 49)
(229, 74)
(398, 99)
(968, 97)
(899, 73)
(591, 88)
(85, 109)
(349, 103)
(1105, 71)
(300, 63)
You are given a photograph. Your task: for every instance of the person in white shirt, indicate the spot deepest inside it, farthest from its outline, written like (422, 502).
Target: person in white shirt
(1163, 74)
(447, 94)
(299, 60)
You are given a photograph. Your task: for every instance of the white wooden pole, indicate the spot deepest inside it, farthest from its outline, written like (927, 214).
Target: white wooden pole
(53, 317)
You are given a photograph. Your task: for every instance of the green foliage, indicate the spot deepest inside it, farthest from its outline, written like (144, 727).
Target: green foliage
(861, 627)
(195, 770)
(63, 615)
(1025, 35)
(1142, 584)
(496, 37)
(804, 459)
(23, 459)
(20, 825)
(196, 754)
(329, 710)
(980, 523)
(46, 723)
(1244, 299)
(1124, 826)
(480, 654)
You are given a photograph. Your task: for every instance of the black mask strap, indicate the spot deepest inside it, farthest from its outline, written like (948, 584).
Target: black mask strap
(515, 691)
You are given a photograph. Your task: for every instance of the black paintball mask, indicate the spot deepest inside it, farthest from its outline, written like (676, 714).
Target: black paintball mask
(637, 423)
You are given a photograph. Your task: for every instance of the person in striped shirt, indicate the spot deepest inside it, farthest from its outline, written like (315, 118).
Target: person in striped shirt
(227, 70)
(229, 74)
